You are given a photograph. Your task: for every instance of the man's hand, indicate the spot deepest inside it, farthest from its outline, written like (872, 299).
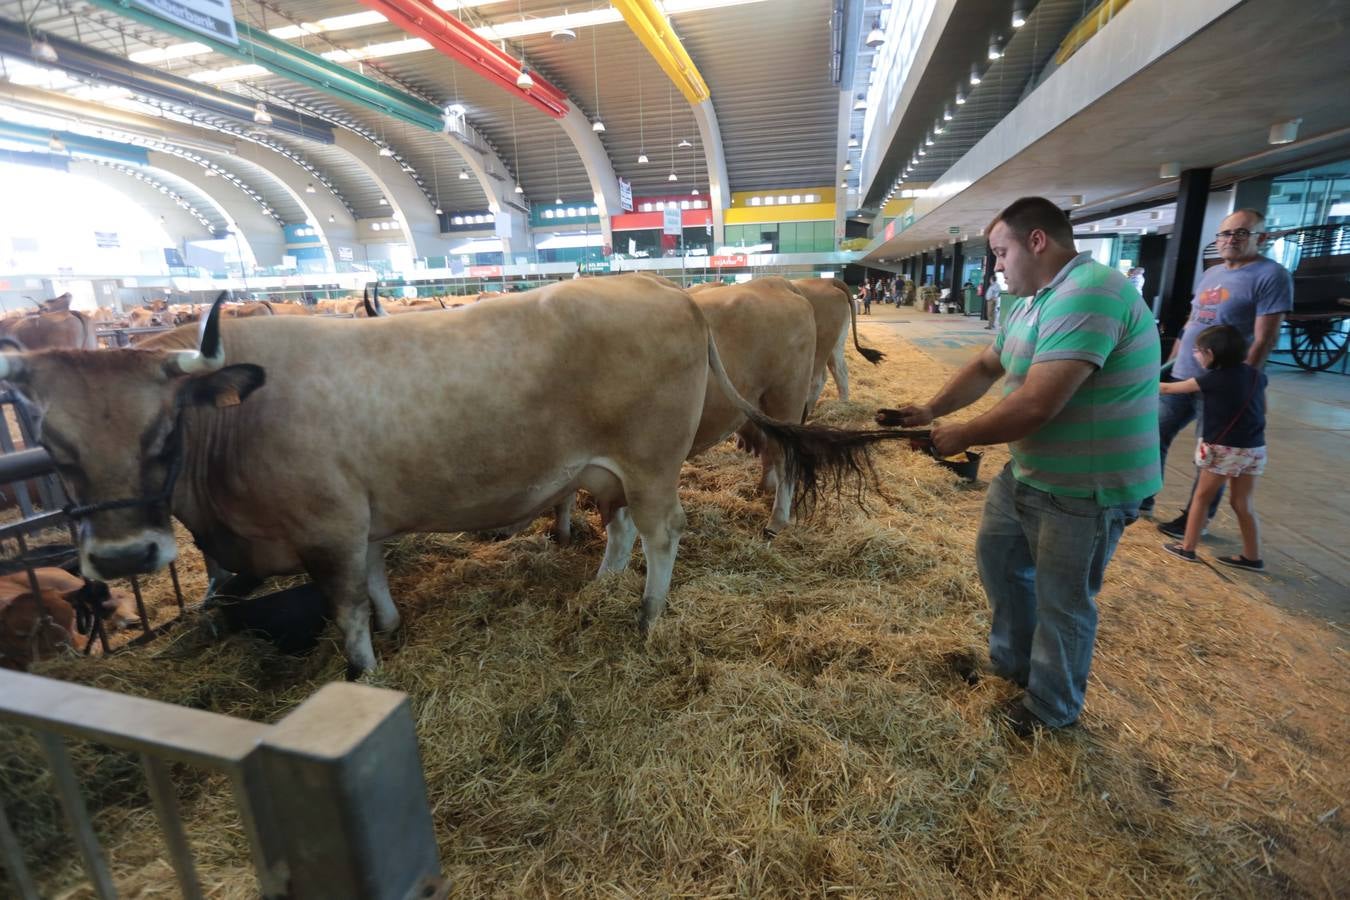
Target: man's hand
(905, 416)
(949, 439)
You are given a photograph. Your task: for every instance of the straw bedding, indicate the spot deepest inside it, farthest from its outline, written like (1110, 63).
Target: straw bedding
(800, 723)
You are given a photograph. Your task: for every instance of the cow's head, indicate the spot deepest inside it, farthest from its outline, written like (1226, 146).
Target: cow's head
(112, 421)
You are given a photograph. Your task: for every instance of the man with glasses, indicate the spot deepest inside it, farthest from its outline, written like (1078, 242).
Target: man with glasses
(1249, 292)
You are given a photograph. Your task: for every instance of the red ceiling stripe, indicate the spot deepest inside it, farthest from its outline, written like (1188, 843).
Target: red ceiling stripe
(456, 40)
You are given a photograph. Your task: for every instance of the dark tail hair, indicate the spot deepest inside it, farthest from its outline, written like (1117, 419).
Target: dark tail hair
(870, 354)
(814, 455)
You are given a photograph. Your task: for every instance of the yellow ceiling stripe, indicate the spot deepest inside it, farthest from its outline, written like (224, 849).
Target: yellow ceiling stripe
(653, 29)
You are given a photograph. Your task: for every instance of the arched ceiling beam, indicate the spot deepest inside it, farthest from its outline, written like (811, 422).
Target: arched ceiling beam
(654, 30)
(407, 204)
(260, 231)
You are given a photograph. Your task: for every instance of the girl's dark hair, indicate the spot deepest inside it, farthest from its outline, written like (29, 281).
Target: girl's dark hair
(1226, 343)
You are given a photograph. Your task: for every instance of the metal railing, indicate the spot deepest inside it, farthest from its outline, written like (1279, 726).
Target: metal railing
(332, 797)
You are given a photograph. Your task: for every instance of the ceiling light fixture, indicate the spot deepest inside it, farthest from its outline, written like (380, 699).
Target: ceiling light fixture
(1285, 132)
(1075, 199)
(960, 97)
(557, 201)
(684, 144)
(694, 192)
(384, 202)
(923, 152)
(463, 174)
(929, 141)
(853, 140)
(975, 77)
(848, 167)
(947, 114)
(642, 159)
(1169, 170)
(860, 104)
(309, 188)
(1019, 17)
(523, 80)
(331, 218)
(563, 34)
(386, 150)
(598, 127)
(995, 49)
(211, 173)
(260, 114)
(519, 189)
(876, 37)
(672, 177)
(43, 50)
(55, 145)
(938, 127)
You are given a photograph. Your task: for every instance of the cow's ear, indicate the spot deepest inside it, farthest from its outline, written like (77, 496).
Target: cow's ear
(229, 386)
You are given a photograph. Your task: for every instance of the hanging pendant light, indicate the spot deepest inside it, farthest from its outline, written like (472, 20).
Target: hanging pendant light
(523, 80)
(309, 188)
(386, 150)
(384, 202)
(860, 104)
(260, 114)
(876, 37)
(439, 211)
(519, 189)
(684, 144)
(1019, 16)
(995, 48)
(642, 159)
(672, 177)
(694, 192)
(463, 174)
(853, 140)
(975, 77)
(55, 144)
(598, 127)
(43, 50)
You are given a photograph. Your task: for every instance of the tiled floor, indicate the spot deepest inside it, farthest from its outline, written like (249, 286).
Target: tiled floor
(1302, 500)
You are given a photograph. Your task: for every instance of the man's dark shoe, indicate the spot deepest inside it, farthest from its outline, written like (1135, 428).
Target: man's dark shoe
(1023, 722)
(1177, 527)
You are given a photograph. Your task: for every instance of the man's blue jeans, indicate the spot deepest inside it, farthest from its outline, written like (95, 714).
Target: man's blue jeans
(1041, 558)
(1175, 412)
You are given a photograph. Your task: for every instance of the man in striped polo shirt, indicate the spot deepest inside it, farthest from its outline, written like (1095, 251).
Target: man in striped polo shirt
(1080, 412)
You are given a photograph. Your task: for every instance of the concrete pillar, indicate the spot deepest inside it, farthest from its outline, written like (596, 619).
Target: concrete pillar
(954, 281)
(1179, 263)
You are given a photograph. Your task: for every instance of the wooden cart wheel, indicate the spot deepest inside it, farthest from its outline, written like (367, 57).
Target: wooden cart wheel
(1318, 344)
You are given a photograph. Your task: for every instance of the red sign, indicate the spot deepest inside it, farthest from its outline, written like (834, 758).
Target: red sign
(719, 262)
(485, 271)
(890, 229)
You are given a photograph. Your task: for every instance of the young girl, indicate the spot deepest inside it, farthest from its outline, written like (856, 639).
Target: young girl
(1232, 445)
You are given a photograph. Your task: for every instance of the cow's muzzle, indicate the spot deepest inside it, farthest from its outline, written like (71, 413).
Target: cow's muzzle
(146, 553)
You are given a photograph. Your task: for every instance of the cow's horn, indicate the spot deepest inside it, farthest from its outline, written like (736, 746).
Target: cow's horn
(210, 353)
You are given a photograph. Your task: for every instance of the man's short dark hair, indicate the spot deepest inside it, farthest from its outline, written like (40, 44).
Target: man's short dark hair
(1226, 343)
(1026, 215)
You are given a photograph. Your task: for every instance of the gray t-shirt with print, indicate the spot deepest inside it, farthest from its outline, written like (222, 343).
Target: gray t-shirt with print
(1233, 297)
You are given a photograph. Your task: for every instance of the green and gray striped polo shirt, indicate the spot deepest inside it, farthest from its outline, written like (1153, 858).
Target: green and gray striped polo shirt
(1104, 443)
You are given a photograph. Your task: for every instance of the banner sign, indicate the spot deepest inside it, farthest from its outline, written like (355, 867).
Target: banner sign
(485, 271)
(626, 194)
(106, 239)
(213, 18)
(671, 222)
(720, 262)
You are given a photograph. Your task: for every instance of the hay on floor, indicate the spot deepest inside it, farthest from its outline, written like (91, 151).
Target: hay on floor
(800, 723)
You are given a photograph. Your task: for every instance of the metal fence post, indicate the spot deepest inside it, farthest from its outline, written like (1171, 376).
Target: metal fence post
(348, 800)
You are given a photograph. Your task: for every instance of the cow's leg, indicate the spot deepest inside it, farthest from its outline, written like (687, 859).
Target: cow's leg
(377, 586)
(839, 366)
(562, 519)
(817, 388)
(340, 573)
(660, 520)
(775, 482)
(620, 533)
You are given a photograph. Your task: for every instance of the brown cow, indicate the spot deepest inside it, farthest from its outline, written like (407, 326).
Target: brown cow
(52, 331)
(57, 304)
(834, 312)
(464, 422)
(34, 629)
(116, 606)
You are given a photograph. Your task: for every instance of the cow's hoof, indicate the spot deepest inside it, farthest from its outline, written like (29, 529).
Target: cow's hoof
(770, 533)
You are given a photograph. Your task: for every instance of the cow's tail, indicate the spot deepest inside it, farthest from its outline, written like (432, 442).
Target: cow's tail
(815, 456)
(871, 354)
